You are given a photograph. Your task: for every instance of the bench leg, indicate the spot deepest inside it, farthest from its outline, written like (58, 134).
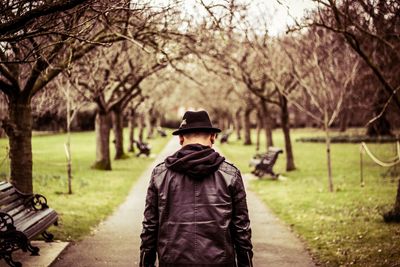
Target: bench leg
(273, 174)
(33, 250)
(12, 241)
(47, 236)
(9, 260)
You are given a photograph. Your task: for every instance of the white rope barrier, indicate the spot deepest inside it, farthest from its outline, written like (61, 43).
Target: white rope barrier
(379, 162)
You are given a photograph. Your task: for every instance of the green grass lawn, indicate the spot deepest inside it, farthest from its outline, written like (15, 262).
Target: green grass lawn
(341, 228)
(95, 193)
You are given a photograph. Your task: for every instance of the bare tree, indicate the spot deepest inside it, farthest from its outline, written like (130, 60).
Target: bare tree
(32, 57)
(322, 78)
(371, 30)
(112, 82)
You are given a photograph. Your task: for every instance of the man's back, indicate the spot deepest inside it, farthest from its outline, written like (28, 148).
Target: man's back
(196, 212)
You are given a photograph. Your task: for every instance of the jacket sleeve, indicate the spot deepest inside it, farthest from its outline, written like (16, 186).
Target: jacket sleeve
(149, 233)
(240, 227)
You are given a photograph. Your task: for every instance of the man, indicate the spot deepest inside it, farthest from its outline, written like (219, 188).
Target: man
(196, 212)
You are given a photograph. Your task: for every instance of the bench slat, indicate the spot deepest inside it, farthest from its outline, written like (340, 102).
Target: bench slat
(7, 192)
(7, 200)
(22, 214)
(18, 207)
(30, 218)
(5, 186)
(45, 223)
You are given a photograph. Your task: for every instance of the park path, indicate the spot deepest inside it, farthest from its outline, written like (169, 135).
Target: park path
(116, 241)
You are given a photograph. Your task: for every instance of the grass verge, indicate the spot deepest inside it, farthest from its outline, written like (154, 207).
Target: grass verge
(342, 228)
(95, 193)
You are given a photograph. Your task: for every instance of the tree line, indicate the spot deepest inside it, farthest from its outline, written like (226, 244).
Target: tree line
(135, 62)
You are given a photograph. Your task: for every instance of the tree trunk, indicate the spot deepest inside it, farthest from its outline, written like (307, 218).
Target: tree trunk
(247, 126)
(394, 214)
(267, 125)
(19, 131)
(149, 125)
(328, 151)
(238, 124)
(141, 127)
(102, 129)
(259, 127)
(68, 143)
(118, 129)
(290, 166)
(381, 126)
(131, 147)
(344, 119)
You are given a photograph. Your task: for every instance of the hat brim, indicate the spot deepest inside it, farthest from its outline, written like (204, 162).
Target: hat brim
(196, 129)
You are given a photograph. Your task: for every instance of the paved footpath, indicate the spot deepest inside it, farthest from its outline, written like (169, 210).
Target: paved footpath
(116, 241)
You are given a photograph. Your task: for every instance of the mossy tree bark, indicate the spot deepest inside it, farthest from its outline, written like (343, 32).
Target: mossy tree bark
(118, 129)
(19, 131)
(102, 129)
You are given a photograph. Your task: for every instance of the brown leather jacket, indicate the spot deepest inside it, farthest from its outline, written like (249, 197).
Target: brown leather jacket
(196, 213)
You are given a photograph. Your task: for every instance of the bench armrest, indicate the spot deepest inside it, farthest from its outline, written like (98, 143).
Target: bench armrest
(38, 202)
(6, 222)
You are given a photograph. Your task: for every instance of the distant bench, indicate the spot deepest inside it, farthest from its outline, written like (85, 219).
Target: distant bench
(22, 217)
(264, 163)
(225, 137)
(144, 148)
(162, 133)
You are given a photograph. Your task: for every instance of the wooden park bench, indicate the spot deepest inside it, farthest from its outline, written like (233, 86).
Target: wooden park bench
(161, 132)
(264, 163)
(22, 217)
(224, 138)
(144, 148)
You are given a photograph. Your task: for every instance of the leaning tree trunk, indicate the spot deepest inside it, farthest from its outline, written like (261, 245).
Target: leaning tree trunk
(267, 125)
(394, 214)
(102, 129)
(247, 126)
(19, 131)
(131, 125)
(286, 133)
(118, 129)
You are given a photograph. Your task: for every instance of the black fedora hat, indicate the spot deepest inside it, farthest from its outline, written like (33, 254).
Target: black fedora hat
(196, 121)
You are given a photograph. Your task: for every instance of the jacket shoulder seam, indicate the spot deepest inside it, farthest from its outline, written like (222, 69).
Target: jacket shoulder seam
(228, 168)
(159, 168)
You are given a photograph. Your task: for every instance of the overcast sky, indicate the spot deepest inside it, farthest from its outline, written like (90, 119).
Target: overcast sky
(277, 13)
(281, 14)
